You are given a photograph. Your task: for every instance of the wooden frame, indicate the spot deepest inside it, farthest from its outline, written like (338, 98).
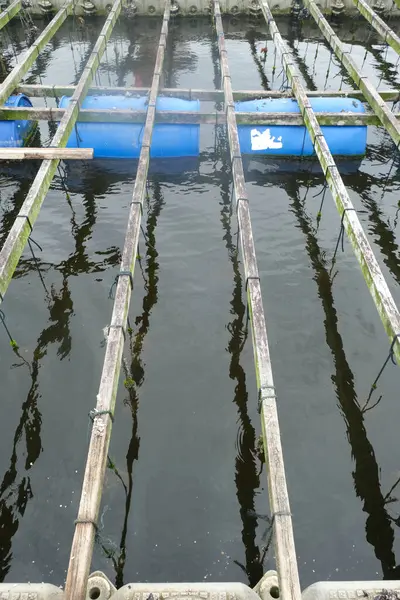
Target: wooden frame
(289, 583)
(10, 12)
(208, 118)
(371, 270)
(386, 117)
(21, 229)
(86, 523)
(39, 91)
(379, 25)
(82, 545)
(13, 79)
(46, 153)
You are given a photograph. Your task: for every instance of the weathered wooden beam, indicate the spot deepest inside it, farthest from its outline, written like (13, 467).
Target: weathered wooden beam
(39, 91)
(339, 119)
(386, 117)
(10, 12)
(371, 270)
(289, 584)
(21, 229)
(29, 57)
(46, 153)
(85, 529)
(379, 25)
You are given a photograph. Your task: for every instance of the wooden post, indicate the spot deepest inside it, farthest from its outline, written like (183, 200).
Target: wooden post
(21, 229)
(386, 117)
(13, 79)
(372, 273)
(379, 25)
(10, 12)
(196, 94)
(82, 544)
(46, 153)
(184, 117)
(289, 583)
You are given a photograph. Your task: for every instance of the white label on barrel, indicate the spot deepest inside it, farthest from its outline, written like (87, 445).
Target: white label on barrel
(264, 141)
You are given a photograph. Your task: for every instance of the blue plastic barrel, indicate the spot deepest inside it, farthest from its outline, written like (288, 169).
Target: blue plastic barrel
(13, 134)
(123, 140)
(288, 140)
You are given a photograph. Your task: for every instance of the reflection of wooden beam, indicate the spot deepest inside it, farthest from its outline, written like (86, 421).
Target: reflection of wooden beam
(188, 117)
(386, 116)
(46, 153)
(88, 516)
(379, 25)
(281, 518)
(370, 268)
(29, 57)
(212, 95)
(21, 229)
(9, 13)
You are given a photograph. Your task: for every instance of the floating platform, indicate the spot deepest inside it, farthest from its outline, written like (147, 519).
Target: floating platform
(192, 8)
(295, 123)
(114, 140)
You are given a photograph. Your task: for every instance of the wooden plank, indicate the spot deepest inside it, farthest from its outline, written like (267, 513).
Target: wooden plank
(379, 25)
(82, 544)
(372, 273)
(10, 12)
(21, 229)
(39, 91)
(29, 57)
(46, 153)
(184, 117)
(379, 107)
(279, 500)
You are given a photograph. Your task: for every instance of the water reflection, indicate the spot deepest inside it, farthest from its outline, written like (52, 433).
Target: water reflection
(247, 471)
(366, 187)
(134, 371)
(247, 476)
(15, 488)
(252, 36)
(379, 524)
(294, 36)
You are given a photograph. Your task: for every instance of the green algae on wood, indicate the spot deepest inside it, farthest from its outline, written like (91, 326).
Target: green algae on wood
(371, 271)
(27, 60)
(386, 117)
(10, 12)
(21, 229)
(210, 118)
(379, 25)
(279, 500)
(85, 529)
(56, 91)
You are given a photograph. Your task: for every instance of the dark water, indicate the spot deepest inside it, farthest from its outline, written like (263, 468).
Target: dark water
(185, 485)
